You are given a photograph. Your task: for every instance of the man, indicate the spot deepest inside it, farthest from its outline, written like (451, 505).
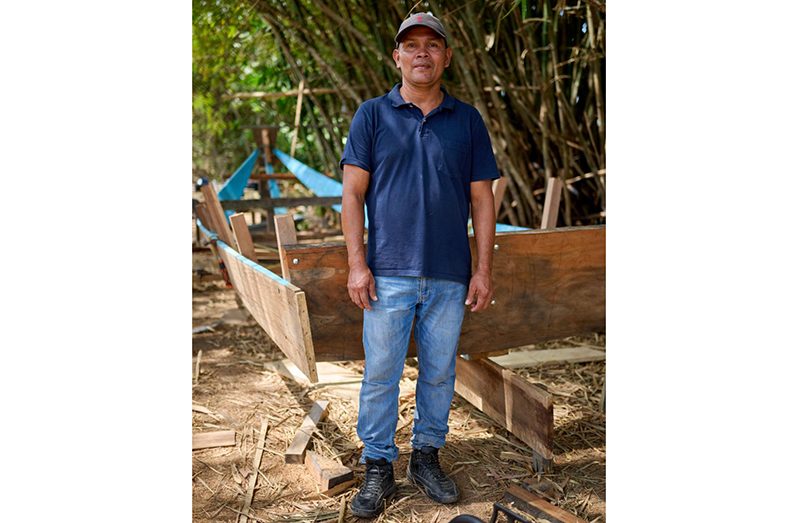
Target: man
(417, 157)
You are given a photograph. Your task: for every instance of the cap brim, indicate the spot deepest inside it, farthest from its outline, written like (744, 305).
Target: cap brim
(398, 37)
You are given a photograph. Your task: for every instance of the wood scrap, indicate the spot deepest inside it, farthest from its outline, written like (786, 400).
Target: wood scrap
(551, 205)
(511, 401)
(296, 451)
(197, 370)
(327, 472)
(341, 487)
(539, 507)
(253, 478)
(533, 358)
(219, 438)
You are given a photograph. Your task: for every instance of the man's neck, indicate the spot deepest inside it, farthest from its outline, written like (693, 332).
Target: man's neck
(431, 96)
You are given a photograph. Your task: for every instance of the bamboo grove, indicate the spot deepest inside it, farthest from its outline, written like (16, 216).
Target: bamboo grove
(534, 70)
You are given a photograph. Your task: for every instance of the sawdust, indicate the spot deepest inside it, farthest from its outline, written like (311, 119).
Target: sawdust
(238, 391)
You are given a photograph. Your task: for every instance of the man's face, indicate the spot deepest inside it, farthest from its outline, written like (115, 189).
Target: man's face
(422, 57)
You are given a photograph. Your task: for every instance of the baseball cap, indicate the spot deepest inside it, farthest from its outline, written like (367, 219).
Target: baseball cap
(423, 19)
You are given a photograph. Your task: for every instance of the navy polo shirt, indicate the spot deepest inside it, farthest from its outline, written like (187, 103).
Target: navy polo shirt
(419, 193)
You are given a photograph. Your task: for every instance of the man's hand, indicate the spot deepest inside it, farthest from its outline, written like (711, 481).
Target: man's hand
(361, 285)
(480, 291)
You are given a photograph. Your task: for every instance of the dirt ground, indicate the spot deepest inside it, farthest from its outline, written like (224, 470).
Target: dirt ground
(236, 389)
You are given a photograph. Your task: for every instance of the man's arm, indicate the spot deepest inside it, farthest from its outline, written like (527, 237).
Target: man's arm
(361, 283)
(483, 218)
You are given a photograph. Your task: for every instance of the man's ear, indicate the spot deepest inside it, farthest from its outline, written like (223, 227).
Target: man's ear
(448, 57)
(396, 57)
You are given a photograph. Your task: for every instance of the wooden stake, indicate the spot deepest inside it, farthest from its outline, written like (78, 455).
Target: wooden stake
(551, 207)
(202, 213)
(197, 371)
(264, 427)
(297, 116)
(499, 186)
(216, 212)
(296, 452)
(286, 235)
(242, 237)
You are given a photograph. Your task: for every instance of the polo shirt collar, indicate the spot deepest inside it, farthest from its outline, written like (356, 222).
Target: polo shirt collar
(397, 100)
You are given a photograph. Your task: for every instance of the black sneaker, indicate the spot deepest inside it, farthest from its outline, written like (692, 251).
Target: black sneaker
(378, 486)
(424, 470)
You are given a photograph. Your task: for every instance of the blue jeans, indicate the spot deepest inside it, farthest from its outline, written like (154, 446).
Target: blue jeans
(437, 307)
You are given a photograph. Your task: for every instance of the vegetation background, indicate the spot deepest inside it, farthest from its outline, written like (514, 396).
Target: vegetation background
(534, 69)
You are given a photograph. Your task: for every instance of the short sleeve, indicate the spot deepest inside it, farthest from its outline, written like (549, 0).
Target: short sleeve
(483, 163)
(358, 148)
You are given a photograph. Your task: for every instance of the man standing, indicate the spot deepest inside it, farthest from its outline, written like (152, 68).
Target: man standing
(418, 158)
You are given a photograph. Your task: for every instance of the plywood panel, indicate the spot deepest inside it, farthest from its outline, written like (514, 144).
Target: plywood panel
(278, 307)
(548, 284)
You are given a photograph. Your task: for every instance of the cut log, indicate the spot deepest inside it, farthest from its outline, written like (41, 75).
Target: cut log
(296, 451)
(220, 438)
(511, 401)
(327, 472)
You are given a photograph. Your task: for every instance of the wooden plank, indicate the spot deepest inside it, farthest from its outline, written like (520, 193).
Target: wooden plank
(296, 451)
(341, 487)
(278, 306)
(216, 213)
(534, 358)
(547, 285)
(551, 206)
(270, 203)
(327, 472)
(286, 235)
(480, 355)
(219, 438)
(539, 507)
(202, 213)
(499, 186)
(253, 479)
(511, 401)
(242, 237)
(272, 176)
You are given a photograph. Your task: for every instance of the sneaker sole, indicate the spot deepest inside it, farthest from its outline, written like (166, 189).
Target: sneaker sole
(385, 499)
(446, 501)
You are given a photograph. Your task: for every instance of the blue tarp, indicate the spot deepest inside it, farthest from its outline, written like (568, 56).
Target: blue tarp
(318, 183)
(233, 188)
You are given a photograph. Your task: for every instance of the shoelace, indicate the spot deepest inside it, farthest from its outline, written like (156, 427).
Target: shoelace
(434, 465)
(373, 481)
